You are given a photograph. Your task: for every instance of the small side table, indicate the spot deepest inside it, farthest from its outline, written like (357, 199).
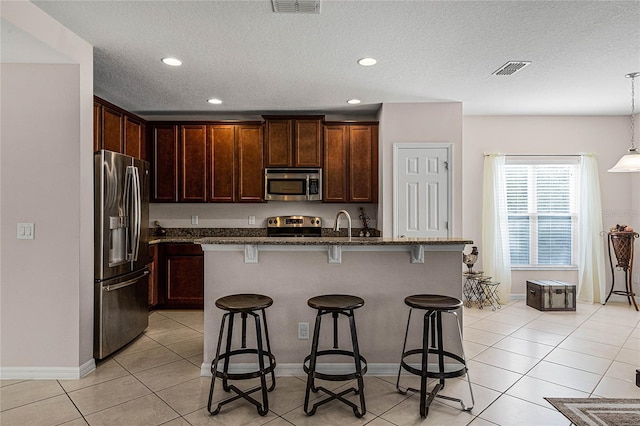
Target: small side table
(471, 288)
(622, 243)
(490, 292)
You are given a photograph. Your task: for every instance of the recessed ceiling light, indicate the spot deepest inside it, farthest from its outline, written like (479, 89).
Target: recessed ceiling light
(354, 101)
(214, 101)
(367, 62)
(172, 61)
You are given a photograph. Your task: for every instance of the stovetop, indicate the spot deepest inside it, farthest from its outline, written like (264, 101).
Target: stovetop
(294, 226)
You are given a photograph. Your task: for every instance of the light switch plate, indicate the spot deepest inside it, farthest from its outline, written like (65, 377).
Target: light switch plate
(252, 220)
(26, 231)
(194, 220)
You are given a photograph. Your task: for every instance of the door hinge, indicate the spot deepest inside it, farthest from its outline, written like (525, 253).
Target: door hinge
(446, 225)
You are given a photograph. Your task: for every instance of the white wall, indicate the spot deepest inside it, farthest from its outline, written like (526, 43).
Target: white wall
(607, 136)
(407, 123)
(46, 290)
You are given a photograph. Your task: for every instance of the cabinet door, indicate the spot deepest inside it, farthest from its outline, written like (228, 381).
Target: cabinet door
(97, 126)
(134, 138)
(153, 275)
(193, 163)
(335, 163)
(222, 176)
(185, 280)
(278, 143)
(363, 164)
(249, 163)
(112, 124)
(165, 163)
(307, 151)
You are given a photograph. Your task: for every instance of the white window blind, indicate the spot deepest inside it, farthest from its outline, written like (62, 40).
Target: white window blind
(542, 213)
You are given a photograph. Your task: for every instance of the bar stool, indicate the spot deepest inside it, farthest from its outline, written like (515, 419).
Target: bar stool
(336, 305)
(245, 305)
(448, 365)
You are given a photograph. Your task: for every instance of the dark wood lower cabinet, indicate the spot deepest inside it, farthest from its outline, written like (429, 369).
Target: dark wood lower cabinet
(181, 276)
(153, 275)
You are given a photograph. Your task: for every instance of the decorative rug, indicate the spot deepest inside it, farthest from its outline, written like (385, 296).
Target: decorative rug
(599, 411)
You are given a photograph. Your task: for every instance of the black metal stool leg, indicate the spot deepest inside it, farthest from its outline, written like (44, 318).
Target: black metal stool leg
(214, 367)
(266, 335)
(312, 365)
(264, 409)
(225, 368)
(356, 356)
(404, 348)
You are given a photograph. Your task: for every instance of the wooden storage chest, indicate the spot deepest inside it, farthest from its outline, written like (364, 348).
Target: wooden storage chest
(551, 295)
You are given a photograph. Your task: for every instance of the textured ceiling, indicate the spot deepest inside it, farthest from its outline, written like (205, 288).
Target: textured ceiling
(258, 61)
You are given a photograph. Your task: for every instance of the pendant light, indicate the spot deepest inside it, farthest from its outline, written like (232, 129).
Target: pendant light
(631, 161)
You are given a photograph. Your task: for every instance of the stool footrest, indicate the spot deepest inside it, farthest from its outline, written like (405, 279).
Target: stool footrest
(332, 376)
(434, 374)
(268, 368)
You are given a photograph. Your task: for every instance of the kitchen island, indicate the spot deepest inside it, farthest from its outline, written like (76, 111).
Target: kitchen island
(383, 271)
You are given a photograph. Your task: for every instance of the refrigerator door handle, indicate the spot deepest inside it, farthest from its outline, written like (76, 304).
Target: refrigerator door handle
(128, 209)
(137, 216)
(118, 286)
(133, 209)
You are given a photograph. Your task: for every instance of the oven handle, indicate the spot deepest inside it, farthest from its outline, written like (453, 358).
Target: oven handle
(308, 195)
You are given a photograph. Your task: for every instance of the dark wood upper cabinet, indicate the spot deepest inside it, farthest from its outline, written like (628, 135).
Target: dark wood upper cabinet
(335, 163)
(193, 163)
(236, 163)
(293, 141)
(363, 164)
(112, 123)
(249, 142)
(115, 129)
(350, 163)
(278, 143)
(164, 144)
(97, 125)
(222, 173)
(134, 138)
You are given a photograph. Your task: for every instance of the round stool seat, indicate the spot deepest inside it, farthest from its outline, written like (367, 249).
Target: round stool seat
(244, 302)
(335, 302)
(433, 302)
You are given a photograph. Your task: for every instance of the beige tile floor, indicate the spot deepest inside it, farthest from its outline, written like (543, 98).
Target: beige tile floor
(516, 356)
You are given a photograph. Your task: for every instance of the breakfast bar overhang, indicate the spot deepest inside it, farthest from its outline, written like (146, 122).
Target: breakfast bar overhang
(383, 271)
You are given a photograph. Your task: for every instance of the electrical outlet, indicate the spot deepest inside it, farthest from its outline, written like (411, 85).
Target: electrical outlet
(194, 220)
(303, 331)
(252, 220)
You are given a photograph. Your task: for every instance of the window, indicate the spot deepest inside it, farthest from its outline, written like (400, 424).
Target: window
(542, 213)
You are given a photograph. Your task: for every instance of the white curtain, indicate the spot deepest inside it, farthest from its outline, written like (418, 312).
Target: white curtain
(496, 259)
(591, 264)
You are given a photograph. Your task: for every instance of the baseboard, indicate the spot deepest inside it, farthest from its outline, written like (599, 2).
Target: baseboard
(283, 370)
(47, 373)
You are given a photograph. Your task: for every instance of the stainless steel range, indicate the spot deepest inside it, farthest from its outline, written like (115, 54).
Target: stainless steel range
(294, 226)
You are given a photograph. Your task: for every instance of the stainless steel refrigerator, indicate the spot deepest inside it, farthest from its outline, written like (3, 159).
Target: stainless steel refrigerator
(121, 250)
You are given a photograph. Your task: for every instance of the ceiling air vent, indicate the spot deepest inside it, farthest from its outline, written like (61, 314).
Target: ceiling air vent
(511, 67)
(296, 6)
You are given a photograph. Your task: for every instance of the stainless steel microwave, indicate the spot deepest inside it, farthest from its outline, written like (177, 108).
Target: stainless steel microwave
(290, 184)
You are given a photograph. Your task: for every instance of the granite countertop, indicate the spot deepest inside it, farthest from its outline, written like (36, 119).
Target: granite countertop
(311, 241)
(328, 241)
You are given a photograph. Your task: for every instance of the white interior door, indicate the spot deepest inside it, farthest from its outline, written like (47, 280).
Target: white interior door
(422, 173)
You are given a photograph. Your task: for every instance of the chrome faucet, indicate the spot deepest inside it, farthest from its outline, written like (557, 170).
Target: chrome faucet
(336, 226)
